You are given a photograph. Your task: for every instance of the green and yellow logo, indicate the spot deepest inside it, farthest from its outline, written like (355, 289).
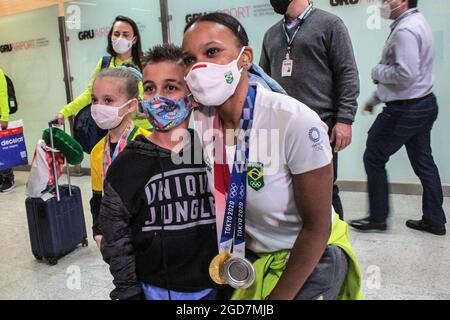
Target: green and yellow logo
(255, 176)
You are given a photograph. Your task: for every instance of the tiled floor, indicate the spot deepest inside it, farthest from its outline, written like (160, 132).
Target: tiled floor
(399, 264)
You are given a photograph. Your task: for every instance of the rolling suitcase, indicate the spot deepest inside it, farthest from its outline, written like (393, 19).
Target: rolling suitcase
(56, 224)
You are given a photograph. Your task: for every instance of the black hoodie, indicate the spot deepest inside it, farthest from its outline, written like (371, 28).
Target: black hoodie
(141, 184)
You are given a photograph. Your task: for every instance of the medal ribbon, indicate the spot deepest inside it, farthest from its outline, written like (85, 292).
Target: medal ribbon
(234, 187)
(121, 144)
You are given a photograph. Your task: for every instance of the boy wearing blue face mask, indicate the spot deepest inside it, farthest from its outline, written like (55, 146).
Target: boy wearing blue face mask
(115, 94)
(157, 215)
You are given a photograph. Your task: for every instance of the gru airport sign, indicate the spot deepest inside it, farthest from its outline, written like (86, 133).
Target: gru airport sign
(336, 3)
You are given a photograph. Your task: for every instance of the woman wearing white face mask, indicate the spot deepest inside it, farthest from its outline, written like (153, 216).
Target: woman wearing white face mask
(124, 46)
(283, 173)
(115, 95)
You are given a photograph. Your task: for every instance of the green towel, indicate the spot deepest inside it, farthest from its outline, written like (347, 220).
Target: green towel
(351, 288)
(65, 143)
(270, 266)
(268, 269)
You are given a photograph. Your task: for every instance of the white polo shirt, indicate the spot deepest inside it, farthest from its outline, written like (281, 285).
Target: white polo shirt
(287, 139)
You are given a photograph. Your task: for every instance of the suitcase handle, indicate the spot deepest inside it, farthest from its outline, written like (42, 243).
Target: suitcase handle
(55, 173)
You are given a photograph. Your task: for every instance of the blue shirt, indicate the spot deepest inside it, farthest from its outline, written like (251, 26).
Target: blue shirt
(406, 67)
(294, 23)
(156, 293)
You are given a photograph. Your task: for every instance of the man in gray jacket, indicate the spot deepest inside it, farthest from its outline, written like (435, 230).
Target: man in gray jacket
(310, 54)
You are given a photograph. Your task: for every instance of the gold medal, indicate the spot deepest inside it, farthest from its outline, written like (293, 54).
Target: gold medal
(216, 267)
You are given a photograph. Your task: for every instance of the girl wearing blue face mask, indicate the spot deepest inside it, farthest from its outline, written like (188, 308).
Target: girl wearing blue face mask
(157, 216)
(114, 98)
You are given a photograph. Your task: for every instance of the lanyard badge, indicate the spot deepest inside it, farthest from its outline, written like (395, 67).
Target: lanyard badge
(287, 64)
(230, 266)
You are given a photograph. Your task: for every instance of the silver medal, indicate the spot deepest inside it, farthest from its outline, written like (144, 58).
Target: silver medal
(239, 273)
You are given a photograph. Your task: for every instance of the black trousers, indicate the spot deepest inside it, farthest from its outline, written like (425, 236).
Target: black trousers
(406, 125)
(325, 282)
(337, 203)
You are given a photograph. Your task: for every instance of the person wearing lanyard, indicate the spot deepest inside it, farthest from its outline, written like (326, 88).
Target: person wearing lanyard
(115, 95)
(310, 54)
(405, 83)
(269, 165)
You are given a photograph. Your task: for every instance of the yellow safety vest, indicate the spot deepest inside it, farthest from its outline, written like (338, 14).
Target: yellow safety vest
(4, 105)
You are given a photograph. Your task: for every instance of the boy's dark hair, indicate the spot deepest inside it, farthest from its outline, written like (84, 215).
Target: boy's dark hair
(165, 52)
(412, 3)
(226, 20)
(137, 47)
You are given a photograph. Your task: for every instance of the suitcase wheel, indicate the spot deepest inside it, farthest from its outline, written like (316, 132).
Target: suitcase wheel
(52, 261)
(37, 257)
(84, 243)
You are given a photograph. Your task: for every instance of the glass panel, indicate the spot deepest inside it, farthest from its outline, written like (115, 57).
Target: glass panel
(255, 15)
(35, 66)
(88, 24)
(368, 33)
